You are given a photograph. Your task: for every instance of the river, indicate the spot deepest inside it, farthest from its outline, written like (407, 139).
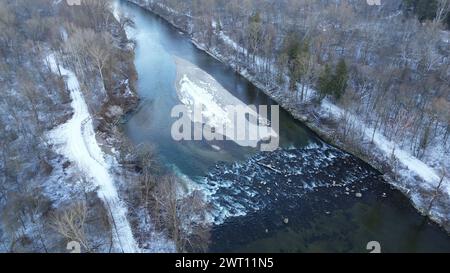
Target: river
(321, 200)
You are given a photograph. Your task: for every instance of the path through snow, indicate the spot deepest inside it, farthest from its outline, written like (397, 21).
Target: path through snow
(76, 140)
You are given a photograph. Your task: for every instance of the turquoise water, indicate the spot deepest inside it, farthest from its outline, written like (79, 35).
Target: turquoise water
(318, 221)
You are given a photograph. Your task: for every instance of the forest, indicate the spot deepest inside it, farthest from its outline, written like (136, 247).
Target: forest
(372, 80)
(38, 211)
(386, 68)
(44, 200)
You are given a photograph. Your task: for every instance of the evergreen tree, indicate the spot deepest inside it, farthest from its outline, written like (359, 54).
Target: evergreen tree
(297, 52)
(340, 79)
(325, 82)
(330, 83)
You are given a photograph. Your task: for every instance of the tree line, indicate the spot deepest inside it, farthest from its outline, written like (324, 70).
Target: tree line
(42, 203)
(387, 63)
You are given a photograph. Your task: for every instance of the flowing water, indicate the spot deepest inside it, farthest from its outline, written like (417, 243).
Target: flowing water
(313, 198)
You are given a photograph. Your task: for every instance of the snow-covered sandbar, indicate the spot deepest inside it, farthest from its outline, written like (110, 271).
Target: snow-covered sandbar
(196, 88)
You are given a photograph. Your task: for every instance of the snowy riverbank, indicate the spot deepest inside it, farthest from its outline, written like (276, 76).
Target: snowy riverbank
(77, 141)
(416, 179)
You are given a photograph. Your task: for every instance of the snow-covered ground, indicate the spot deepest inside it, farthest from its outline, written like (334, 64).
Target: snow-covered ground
(228, 41)
(412, 170)
(76, 140)
(411, 166)
(389, 148)
(151, 240)
(196, 88)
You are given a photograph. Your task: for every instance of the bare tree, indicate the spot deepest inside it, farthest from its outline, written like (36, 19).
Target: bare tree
(184, 217)
(98, 47)
(8, 35)
(98, 12)
(125, 22)
(70, 223)
(443, 8)
(437, 191)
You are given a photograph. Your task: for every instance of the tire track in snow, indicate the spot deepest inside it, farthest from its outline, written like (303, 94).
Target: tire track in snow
(76, 140)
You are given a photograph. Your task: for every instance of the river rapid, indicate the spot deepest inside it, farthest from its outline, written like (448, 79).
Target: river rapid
(305, 197)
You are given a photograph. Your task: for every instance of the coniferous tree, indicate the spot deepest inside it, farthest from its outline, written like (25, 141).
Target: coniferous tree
(298, 55)
(325, 85)
(340, 79)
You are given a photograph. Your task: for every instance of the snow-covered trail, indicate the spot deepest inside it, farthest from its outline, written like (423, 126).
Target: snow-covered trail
(76, 140)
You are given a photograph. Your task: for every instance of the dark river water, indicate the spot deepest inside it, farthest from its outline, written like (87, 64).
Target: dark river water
(314, 198)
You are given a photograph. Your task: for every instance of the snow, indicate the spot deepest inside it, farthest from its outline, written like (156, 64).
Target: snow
(196, 88)
(74, 2)
(445, 36)
(411, 167)
(151, 240)
(76, 140)
(116, 11)
(191, 94)
(413, 164)
(230, 42)
(235, 46)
